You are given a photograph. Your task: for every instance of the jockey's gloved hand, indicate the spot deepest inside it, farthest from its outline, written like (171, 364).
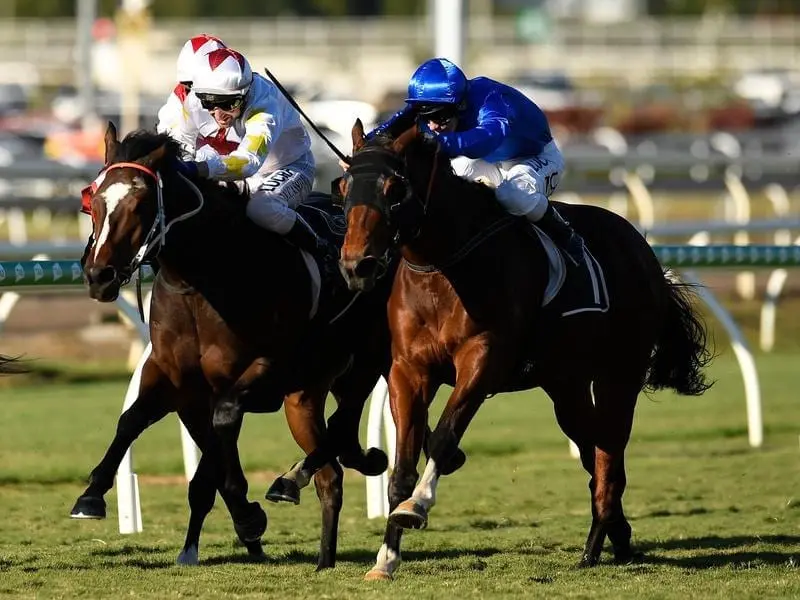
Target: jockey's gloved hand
(187, 168)
(426, 132)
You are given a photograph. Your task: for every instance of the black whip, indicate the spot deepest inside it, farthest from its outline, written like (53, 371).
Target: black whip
(294, 103)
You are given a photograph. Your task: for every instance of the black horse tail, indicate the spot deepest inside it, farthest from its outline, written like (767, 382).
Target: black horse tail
(681, 352)
(11, 365)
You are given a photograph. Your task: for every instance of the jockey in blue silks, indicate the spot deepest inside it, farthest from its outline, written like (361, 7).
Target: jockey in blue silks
(494, 134)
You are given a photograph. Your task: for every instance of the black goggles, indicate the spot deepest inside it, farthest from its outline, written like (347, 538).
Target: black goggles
(227, 103)
(438, 113)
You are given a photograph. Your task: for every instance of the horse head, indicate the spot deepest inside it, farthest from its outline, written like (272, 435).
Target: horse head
(128, 212)
(386, 190)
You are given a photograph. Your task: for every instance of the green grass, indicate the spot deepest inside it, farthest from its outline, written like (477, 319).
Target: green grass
(715, 518)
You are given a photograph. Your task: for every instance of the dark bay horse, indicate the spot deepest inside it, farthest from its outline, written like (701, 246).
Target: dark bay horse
(231, 333)
(467, 310)
(12, 365)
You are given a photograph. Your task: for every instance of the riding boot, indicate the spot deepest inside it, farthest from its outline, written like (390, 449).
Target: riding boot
(326, 254)
(562, 234)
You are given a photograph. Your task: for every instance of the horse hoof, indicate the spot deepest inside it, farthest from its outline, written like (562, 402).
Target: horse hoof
(627, 556)
(588, 561)
(409, 515)
(375, 462)
(283, 490)
(455, 463)
(89, 507)
(377, 575)
(255, 550)
(188, 557)
(253, 527)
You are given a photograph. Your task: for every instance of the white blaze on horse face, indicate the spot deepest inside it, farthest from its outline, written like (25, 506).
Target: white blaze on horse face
(112, 196)
(425, 492)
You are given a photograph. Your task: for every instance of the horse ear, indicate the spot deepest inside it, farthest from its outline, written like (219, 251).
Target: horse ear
(111, 143)
(155, 157)
(404, 139)
(358, 135)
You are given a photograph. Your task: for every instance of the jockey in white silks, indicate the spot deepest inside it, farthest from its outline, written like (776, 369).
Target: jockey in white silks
(252, 133)
(173, 112)
(493, 134)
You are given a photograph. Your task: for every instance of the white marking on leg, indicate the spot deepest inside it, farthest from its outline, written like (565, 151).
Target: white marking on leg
(112, 196)
(388, 560)
(425, 492)
(299, 475)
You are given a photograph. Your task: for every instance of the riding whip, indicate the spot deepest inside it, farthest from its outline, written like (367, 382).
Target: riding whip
(294, 103)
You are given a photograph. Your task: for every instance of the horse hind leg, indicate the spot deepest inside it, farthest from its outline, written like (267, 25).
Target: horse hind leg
(615, 401)
(154, 402)
(305, 415)
(328, 483)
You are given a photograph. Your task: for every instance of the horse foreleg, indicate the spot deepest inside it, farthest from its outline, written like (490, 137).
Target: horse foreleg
(351, 391)
(155, 400)
(228, 412)
(410, 393)
(472, 371)
(208, 477)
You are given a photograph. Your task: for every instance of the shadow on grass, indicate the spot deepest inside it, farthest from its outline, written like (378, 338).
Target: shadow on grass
(742, 557)
(362, 556)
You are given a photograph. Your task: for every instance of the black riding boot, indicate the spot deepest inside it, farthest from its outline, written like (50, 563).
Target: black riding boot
(327, 255)
(562, 234)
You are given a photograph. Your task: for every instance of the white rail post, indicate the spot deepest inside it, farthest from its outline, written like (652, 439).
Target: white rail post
(377, 486)
(752, 390)
(745, 280)
(129, 507)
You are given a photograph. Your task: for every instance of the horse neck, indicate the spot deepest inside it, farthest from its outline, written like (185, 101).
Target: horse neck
(207, 242)
(457, 212)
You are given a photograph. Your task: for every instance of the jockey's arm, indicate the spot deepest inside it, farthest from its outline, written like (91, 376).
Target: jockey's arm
(492, 128)
(396, 124)
(246, 160)
(174, 119)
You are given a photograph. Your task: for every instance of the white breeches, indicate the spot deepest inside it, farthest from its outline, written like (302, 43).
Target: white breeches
(275, 195)
(523, 185)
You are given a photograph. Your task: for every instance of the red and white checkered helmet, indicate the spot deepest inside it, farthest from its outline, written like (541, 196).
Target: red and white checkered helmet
(192, 52)
(223, 72)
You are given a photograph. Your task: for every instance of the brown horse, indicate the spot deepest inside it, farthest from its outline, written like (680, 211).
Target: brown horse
(231, 333)
(466, 310)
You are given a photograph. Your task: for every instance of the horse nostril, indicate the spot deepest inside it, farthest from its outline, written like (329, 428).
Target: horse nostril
(101, 275)
(366, 267)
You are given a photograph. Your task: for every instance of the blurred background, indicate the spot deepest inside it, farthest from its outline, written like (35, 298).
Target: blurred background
(675, 113)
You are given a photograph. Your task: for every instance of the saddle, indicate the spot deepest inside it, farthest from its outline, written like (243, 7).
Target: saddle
(569, 292)
(328, 222)
(326, 219)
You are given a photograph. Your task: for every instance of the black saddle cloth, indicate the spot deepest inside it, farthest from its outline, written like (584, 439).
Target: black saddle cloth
(326, 219)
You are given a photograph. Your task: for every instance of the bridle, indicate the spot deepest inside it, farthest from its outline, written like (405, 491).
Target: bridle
(378, 200)
(156, 237)
(369, 189)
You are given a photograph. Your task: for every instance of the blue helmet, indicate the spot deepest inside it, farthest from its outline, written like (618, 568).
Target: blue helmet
(437, 81)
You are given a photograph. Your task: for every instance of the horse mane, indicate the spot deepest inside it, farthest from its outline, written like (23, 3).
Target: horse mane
(421, 152)
(138, 144)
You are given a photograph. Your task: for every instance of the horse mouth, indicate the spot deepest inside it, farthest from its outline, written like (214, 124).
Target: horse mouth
(104, 292)
(360, 275)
